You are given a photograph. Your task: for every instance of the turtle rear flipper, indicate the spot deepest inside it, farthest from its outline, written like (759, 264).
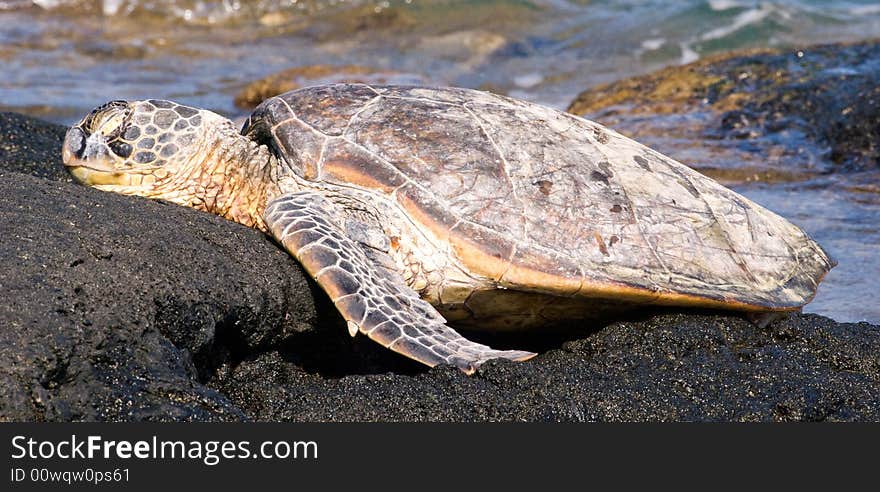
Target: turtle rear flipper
(371, 298)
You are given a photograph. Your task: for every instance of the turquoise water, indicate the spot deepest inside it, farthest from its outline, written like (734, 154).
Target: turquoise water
(61, 58)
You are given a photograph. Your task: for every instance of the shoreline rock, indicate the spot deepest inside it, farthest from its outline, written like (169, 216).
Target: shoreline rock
(824, 96)
(121, 308)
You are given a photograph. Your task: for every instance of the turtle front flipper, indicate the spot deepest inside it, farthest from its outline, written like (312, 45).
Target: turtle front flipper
(373, 299)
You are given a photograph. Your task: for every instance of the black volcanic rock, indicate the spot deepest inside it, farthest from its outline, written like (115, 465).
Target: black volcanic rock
(670, 367)
(31, 146)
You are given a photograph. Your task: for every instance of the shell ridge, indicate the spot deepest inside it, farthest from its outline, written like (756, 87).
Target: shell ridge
(421, 99)
(368, 86)
(359, 112)
(294, 117)
(505, 169)
(496, 100)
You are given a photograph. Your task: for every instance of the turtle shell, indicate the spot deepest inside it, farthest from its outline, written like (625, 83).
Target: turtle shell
(543, 201)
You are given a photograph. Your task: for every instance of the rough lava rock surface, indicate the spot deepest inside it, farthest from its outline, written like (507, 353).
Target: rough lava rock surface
(120, 308)
(772, 101)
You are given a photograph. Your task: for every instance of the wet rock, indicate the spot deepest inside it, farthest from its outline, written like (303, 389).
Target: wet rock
(354, 22)
(121, 308)
(108, 50)
(372, 18)
(297, 77)
(828, 94)
(468, 36)
(469, 48)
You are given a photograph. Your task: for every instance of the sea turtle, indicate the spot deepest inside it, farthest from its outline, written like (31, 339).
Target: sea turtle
(411, 206)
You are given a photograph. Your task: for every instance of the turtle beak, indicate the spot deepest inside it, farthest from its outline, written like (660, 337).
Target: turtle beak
(87, 160)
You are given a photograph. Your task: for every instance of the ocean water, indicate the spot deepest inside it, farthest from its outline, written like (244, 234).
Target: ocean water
(60, 58)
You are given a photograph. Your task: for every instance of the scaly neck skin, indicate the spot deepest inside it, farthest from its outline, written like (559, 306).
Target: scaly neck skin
(235, 180)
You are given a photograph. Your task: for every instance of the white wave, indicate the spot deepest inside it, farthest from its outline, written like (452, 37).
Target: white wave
(865, 9)
(722, 5)
(111, 7)
(197, 11)
(742, 20)
(529, 80)
(653, 44)
(847, 71)
(48, 4)
(688, 54)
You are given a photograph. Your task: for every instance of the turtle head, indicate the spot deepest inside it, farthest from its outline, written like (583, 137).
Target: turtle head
(161, 149)
(140, 147)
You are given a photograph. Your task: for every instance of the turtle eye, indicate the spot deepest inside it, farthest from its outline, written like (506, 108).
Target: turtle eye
(122, 149)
